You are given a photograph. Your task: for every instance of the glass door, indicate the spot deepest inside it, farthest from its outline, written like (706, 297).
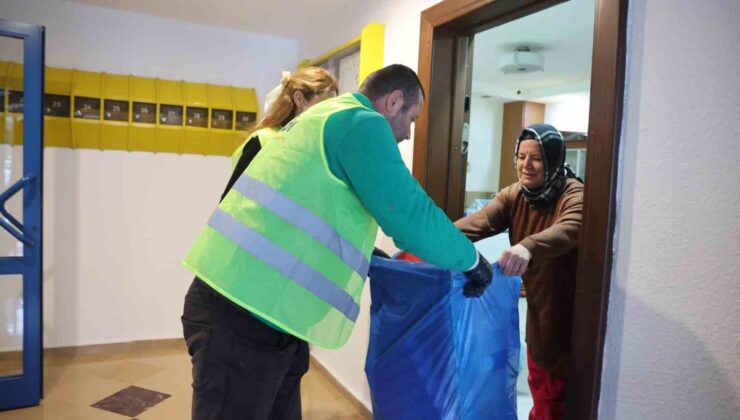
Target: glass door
(21, 159)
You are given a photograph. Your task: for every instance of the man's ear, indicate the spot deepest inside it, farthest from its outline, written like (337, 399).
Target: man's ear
(394, 103)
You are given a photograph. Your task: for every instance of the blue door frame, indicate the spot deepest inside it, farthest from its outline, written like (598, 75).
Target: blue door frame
(26, 389)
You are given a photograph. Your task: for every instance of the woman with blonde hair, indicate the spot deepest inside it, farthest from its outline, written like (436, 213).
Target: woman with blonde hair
(237, 335)
(289, 99)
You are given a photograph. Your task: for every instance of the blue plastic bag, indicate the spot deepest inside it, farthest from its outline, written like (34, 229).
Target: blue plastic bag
(435, 354)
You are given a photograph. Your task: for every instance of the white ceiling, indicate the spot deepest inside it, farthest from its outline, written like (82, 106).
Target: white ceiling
(563, 33)
(279, 17)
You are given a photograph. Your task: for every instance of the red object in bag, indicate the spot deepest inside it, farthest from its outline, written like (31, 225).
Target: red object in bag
(407, 256)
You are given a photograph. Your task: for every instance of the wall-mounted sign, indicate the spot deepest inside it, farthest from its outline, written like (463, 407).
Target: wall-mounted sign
(196, 117)
(115, 110)
(221, 118)
(56, 105)
(245, 120)
(15, 101)
(144, 112)
(87, 108)
(170, 115)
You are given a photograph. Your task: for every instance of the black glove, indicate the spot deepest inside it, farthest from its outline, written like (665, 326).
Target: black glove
(380, 253)
(479, 277)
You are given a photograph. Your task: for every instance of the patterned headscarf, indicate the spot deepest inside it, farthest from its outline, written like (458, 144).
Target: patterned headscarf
(552, 147)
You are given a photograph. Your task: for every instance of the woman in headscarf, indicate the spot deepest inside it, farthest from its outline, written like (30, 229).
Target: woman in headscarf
(543, 215)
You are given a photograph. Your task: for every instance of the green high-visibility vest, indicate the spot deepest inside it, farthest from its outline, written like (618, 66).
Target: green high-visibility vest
(291, 242)
(265, 135)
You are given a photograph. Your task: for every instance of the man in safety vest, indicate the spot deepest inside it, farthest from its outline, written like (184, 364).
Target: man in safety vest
(283, 259)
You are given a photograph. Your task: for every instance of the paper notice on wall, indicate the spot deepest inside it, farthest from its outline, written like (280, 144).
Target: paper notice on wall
(349, 73)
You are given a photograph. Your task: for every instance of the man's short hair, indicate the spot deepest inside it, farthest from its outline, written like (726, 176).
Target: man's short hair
(390, 78)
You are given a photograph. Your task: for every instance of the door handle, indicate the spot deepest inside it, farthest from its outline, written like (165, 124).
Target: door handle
(465, 138)
(17, 232)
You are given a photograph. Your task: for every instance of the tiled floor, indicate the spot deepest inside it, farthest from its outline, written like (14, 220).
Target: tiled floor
(74, 383)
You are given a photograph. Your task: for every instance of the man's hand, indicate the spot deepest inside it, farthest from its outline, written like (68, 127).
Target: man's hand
(514, 261)
(479, 277)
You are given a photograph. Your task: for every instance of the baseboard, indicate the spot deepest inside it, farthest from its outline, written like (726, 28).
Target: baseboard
(121, 347)
(356, 403)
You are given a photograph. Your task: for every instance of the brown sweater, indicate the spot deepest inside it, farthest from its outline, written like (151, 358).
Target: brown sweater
(551, 235)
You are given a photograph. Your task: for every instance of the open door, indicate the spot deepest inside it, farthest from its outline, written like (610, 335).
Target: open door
(460, 134)
(440, 125)
(21, 151)
(444, 140)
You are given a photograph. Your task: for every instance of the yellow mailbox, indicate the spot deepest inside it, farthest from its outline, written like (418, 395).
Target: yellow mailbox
(116, 112)
(246, 107)
(196, 118)
(222, 120)
(86, 109)
(57, 107)
(170, 122)
(14, 119)
(143, 114)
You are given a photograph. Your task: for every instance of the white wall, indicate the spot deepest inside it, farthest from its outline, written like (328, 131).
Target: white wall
(673, 338)
(484, 149)
(117, 224)
(98, 39)
(401, 20)
(568, 112)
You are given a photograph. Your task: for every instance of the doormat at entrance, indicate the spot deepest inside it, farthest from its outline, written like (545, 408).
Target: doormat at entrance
(131, 401)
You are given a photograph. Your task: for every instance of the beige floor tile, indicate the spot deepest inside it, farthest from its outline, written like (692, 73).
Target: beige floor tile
(127, 371)
(87, 391)
(73, 383)
(60, 410)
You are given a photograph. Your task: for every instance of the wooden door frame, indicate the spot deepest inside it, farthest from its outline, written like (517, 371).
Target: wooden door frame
(441, 28)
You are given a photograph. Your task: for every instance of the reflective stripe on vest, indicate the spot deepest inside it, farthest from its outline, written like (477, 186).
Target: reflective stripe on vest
(303, 219)
(285, 263)
(290, 242)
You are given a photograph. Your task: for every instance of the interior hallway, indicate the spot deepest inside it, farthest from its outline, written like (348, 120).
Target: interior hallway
(160, 375)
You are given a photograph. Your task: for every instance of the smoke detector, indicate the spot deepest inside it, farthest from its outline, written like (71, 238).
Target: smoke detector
(521, 60)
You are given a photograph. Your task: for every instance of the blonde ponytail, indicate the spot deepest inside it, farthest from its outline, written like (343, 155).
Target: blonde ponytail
(310, 81)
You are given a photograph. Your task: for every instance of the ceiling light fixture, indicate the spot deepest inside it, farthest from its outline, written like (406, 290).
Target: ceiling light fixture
(521, 60)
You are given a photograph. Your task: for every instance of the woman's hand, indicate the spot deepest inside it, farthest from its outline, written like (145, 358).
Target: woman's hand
(514, 261)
